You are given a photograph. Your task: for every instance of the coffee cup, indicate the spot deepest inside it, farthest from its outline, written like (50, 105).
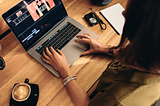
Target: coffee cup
(2, 63)
(21, 92)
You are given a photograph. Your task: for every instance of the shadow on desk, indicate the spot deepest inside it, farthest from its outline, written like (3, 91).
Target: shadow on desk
(92, 91)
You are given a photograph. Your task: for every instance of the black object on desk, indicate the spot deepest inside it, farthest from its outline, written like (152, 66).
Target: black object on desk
(2, 63)
(33, 98)
(91, 19)
(101, 2)
(4, 34)
(101, 23)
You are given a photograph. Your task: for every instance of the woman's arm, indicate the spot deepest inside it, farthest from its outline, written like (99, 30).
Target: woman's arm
(58, 61)
(77, 94)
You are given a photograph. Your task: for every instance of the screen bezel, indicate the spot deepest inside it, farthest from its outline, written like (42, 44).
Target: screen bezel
(16, 7)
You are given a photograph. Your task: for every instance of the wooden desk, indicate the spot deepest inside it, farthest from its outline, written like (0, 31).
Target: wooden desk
(20, 65)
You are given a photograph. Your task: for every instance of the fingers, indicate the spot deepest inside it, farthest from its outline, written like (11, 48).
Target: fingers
(60, 52)
(86, 53)
(45, 58)
(84, 36)
(83, 40)
(46, 61)
(53, 51)
(47, 55)
(48, 51)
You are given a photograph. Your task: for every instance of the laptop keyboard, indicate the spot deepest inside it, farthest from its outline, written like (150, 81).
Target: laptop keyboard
(60, 38)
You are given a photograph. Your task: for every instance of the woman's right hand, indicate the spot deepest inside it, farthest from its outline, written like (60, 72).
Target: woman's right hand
(95, 45)
(57, 60)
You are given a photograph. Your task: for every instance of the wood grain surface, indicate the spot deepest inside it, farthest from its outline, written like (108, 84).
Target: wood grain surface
(52, 92)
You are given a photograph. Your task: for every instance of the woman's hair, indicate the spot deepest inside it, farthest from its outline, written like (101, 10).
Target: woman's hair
(142, 30)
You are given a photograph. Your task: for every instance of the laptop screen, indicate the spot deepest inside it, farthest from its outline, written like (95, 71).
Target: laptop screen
(31, 19)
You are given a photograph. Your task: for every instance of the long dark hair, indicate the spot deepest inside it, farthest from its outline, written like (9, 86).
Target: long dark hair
(142, 29)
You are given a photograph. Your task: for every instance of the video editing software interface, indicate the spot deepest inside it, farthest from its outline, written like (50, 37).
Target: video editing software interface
(30, 20)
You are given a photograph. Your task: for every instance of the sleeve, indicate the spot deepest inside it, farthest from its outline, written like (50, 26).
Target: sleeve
(103, 98)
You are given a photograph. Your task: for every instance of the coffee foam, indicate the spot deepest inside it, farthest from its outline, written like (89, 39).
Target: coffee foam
(21, 92)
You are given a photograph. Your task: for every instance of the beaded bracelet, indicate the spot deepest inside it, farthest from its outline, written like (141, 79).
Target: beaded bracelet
(68, 79)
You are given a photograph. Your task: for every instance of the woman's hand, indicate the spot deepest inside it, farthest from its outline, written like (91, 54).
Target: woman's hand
(57, 60)
(95, 46)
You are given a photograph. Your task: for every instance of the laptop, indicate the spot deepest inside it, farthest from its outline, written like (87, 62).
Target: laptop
(38, 24)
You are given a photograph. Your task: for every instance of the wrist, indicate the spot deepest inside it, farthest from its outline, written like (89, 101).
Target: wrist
(65, 73)
(110, 51)
(69, 78)
(103, 49)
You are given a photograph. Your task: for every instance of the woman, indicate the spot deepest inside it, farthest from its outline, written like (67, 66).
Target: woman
(134, 80)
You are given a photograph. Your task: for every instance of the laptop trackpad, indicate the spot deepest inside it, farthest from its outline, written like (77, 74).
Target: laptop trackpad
(73, 50)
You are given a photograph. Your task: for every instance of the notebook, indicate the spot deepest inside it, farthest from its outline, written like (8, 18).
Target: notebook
(38, 23)
(113, 15)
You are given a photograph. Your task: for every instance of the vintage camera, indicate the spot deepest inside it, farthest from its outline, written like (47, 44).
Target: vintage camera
(91, 19)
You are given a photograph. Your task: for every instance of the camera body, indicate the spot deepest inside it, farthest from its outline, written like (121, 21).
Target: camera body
(91, 19)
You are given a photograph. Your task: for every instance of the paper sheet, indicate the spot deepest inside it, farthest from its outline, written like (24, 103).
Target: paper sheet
(113, 15)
